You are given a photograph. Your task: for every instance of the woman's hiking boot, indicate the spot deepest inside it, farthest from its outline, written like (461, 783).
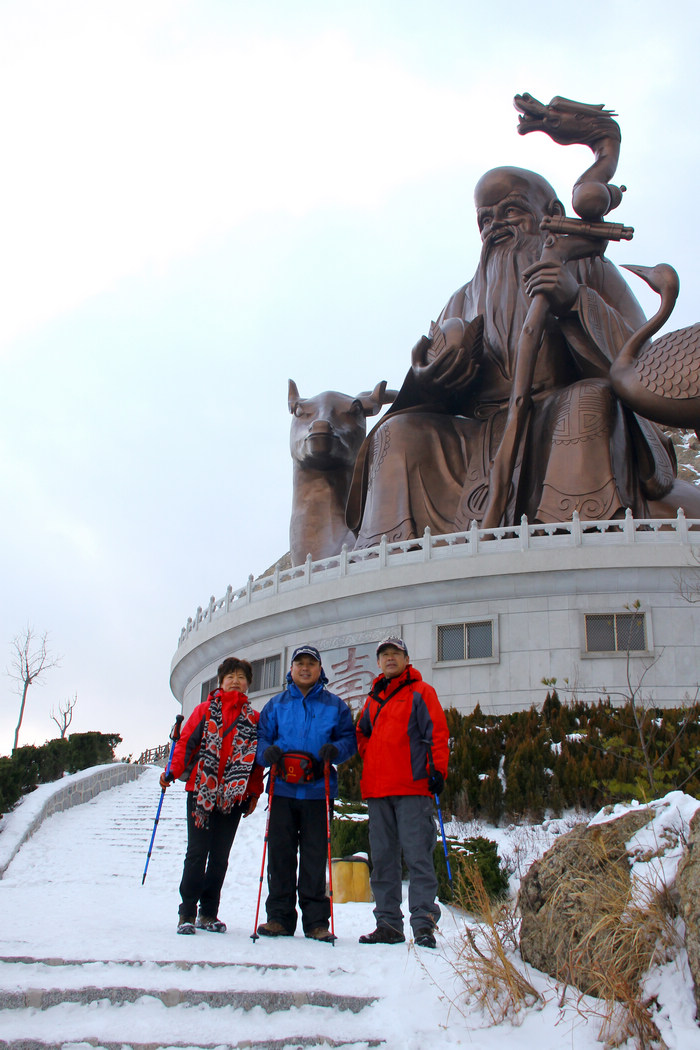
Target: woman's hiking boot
(205, 922)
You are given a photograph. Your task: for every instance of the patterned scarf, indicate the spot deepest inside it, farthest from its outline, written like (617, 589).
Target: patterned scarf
(213, 793)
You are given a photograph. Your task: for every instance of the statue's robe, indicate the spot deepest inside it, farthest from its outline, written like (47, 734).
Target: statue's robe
(427, 461)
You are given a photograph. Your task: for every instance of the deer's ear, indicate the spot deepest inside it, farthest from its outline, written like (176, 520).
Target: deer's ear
(292, 396)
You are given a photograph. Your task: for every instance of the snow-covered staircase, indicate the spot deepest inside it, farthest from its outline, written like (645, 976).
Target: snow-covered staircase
(89, 956)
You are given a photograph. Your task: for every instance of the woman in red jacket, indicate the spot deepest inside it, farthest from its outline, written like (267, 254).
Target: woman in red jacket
(216, 756)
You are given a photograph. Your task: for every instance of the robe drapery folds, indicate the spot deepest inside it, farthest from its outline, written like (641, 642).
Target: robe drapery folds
(427, 461)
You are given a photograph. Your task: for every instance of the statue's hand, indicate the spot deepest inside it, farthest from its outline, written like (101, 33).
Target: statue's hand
(555, 282)
(448, 362)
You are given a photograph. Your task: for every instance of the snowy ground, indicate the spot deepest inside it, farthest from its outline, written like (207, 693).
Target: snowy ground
(74, 893)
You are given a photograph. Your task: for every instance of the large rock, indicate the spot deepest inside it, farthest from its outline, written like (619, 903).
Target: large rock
(688, 886)
(572, 897)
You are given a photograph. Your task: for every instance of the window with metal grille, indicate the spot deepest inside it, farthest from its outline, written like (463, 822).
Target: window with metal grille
(465, 641)
(266, 674)
(615, 633)
(209, 687)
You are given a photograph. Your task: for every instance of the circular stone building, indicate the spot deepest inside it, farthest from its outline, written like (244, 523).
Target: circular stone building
(490, 617)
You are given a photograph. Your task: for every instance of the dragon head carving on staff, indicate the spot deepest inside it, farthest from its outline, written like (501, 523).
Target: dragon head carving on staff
(568, 123)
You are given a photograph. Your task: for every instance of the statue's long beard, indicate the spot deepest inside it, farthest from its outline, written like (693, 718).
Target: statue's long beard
(502, 298)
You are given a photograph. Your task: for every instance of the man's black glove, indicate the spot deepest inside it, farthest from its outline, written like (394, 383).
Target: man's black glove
(436, 782)
(272, 755)
(328, 753)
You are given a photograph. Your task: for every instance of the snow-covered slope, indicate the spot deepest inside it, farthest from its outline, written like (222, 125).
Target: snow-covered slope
(89, 954)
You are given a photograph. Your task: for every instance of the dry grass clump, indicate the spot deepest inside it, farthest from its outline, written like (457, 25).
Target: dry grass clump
(490, 978)
(632, 930)
(626, 949)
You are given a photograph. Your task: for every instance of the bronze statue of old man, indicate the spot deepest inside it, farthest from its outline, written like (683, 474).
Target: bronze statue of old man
(428, 462)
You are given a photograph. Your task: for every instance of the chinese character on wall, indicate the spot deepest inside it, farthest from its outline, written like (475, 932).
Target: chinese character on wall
(351, 671)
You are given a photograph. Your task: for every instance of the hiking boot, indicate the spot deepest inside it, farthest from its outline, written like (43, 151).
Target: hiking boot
(321, 933)
(425, 938)
(383, 935)
(273, 929)
(204, 922)
(185, 925)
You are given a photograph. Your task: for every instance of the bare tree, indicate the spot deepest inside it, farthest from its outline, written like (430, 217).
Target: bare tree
(65, 714)
(30, 658)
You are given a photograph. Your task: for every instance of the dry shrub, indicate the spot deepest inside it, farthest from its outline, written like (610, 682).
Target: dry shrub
(484, 965)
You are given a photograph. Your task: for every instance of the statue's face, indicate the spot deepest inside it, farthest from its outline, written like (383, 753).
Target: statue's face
(504, 218)
(507, 204)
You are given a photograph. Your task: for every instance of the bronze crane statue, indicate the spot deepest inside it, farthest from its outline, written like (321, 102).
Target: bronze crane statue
(660, 380)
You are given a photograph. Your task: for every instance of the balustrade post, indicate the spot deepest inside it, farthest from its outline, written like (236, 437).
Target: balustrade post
(382, 552)
(198, 618)
(629, 526)
(344, 560)
(276, 580)
(210, 610)
(576, 533)
(524, 533)
(682, 526)
(307, 569)
(427, 543)
(474, 537)
(249, 588)
(229, 597)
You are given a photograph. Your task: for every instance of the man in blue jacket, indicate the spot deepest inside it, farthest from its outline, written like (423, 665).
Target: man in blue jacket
(299, 731)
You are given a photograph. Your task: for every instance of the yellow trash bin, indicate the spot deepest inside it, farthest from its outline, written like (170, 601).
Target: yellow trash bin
(351, 879)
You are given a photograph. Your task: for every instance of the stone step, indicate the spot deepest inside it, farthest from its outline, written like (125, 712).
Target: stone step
(308, 1042)
(42, 994)
(103, 1023)
(271, 1000)
(27, 982)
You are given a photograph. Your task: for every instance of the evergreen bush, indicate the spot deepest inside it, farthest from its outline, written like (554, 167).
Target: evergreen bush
(29, 766)
(477, 851)
(349, 837)
(568, 755)
(90, 749)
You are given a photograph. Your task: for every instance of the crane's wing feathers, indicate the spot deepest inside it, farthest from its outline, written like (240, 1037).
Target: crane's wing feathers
(670, 366)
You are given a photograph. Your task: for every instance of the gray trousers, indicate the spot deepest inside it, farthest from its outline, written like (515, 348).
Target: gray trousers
(403, 823)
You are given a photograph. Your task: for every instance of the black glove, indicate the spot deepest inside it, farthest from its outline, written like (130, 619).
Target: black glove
(328, 753)
(436, 782)
(272, 755)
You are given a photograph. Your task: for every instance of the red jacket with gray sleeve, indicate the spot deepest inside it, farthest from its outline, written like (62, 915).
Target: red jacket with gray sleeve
(402, 721)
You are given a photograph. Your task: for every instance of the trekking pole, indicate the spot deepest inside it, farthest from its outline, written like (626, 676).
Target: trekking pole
(437, 803)
(327, 778)
(254, 935)
(174, 736)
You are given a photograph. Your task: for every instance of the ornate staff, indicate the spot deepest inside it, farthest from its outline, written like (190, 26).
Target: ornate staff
(566, 122)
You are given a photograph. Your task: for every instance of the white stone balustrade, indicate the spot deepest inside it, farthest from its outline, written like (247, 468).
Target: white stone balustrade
(474, 543)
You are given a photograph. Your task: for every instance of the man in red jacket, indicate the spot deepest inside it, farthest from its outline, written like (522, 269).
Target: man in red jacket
(402, 736)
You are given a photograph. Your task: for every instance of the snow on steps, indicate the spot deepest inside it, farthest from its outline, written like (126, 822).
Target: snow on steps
(80, 1003)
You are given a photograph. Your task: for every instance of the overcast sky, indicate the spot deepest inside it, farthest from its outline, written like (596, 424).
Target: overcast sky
(203, 198)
